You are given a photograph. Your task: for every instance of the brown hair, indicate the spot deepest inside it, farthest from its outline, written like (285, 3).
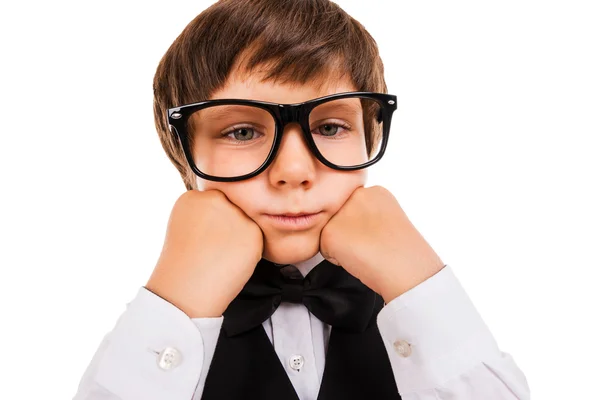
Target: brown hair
(294, 41)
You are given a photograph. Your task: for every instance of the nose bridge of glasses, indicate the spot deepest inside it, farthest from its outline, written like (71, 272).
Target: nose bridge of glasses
(290, 113)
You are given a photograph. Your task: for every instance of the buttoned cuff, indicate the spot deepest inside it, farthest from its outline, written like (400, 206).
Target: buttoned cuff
(210, 329)
(433, 333)
(155, 352)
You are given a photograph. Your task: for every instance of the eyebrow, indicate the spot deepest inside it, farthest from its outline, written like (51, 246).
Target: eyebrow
(222, 110)
(344, 106)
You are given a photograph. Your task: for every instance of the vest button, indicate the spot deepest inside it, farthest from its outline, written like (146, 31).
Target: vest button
(169, 358)
(296, 362)
(402, 348)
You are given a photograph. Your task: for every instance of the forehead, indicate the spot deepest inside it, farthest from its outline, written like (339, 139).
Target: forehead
(252, 86)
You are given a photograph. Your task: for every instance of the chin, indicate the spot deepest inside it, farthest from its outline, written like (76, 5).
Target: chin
(291, 249)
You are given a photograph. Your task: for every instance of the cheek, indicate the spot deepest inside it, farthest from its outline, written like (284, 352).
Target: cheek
(245, 194)
(345, 183)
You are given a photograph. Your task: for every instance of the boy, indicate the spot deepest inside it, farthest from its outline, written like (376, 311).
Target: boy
(282, 276)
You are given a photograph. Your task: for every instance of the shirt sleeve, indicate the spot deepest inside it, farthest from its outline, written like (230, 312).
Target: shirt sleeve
(155, 351)
(440, 348)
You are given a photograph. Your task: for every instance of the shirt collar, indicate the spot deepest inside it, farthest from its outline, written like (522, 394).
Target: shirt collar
(307, 265)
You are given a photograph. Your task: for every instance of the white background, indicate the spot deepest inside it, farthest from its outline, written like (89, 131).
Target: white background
(494, 156)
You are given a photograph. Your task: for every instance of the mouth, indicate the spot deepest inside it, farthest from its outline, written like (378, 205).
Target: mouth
(294, 221)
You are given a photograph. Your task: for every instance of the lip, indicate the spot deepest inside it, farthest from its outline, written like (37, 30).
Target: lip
(294, 221)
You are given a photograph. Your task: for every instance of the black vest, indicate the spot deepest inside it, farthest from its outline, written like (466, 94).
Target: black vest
(246, 366)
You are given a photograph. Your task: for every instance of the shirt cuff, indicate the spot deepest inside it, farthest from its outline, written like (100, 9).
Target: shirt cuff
(209, 328)
(433, 333)
(155, 352)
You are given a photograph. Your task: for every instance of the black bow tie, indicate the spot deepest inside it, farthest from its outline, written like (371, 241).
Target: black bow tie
(328, 291)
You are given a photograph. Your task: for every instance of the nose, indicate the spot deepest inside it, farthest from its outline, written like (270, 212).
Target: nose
(294, 165)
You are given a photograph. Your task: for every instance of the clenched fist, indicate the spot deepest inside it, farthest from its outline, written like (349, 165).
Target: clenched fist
(210, 251)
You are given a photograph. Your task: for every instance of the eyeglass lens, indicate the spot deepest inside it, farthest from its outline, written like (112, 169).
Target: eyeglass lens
(234, 140)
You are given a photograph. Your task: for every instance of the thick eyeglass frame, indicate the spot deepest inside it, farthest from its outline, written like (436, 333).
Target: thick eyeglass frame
(282, 114)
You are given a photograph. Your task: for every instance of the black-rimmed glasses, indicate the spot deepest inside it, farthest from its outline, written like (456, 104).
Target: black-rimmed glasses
(230, 140)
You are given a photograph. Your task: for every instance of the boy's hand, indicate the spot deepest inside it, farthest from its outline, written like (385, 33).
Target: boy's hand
(210, 251)
(372, 238)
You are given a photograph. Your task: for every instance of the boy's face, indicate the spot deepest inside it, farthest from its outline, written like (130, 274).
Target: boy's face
(295, 182)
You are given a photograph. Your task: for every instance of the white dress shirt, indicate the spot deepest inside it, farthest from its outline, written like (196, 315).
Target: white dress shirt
(438, 345)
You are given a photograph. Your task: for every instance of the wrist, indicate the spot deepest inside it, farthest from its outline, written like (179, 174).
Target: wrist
(398, 285)
(193, 305)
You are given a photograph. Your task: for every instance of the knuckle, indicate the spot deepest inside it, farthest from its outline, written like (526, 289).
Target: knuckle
(213, 196)
(379, 188)
(189, 197)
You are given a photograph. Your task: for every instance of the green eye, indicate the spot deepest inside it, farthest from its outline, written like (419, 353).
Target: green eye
(331, 129)
(328, 129)
(243, 134)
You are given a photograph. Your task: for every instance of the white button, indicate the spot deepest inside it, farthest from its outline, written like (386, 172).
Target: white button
(296, 362)
(403, 348)
(169, 358)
